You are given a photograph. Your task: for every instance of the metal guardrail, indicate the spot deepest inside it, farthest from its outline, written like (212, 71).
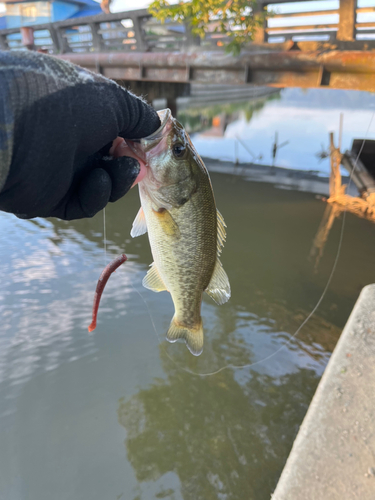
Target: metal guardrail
(127, 31)
(124, 31)
(138, 31)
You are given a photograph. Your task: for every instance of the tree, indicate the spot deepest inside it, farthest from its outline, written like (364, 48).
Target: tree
(236, 19)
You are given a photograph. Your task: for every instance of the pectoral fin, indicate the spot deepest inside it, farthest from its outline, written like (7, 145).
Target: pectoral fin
(167, 222)
(139, 225)
(219, 287)
(153, 281)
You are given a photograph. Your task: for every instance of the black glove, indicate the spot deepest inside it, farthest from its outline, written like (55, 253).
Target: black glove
(65, 119)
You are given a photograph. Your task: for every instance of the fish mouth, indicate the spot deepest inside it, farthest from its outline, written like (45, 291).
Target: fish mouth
(165, 115)
(140, 147)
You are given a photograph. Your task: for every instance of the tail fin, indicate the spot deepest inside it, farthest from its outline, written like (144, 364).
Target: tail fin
(192, 337)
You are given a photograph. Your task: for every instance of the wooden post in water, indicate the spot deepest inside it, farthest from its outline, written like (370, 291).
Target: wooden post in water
(363, 206)
(338, 202)
(335, 185)
(331, 212)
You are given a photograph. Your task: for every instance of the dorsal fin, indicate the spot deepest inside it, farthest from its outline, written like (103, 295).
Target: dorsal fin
(221, 233)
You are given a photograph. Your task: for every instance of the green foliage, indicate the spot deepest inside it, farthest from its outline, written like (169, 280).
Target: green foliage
(236, 20)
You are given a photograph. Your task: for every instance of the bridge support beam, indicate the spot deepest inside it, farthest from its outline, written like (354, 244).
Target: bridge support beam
(347, 20)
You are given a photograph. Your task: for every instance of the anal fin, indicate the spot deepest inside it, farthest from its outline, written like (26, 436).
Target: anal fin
(153, 281)
(219, 287)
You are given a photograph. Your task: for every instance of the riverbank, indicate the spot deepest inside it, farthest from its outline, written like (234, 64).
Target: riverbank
(285, 178)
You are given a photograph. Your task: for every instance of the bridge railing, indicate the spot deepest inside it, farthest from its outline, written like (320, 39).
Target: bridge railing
(346, 23)
(138, 31)
(365, 30)
(104, 32)
(124, 31)
(298, 26)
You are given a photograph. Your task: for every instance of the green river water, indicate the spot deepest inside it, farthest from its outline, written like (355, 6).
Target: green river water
(112, 414)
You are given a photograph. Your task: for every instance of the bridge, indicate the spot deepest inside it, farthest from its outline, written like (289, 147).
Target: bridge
(292, 49)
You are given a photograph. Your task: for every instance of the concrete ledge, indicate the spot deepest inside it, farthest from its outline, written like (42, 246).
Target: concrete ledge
(333, 456)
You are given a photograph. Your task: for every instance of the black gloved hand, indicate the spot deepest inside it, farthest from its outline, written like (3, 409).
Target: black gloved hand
(64, 121)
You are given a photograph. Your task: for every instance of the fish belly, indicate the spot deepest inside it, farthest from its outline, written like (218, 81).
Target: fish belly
(185, 255)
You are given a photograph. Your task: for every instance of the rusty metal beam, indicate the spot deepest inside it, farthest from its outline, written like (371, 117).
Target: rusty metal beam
(333, 69)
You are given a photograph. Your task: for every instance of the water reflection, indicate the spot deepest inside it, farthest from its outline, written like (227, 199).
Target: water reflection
(218, 435)
(304, 117)
(186, 436)
(205, 118)
(45, 297)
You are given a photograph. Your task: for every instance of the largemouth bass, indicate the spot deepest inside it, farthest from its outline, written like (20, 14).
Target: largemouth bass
(185, 230)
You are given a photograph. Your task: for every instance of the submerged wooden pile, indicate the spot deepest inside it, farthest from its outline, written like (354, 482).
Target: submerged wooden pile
(339, 201)
(364, 205)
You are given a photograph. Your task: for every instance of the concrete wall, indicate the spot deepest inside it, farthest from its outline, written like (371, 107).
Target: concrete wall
(333, 456)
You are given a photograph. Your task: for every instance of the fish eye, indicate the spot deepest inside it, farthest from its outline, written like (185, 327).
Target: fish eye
(178, 150)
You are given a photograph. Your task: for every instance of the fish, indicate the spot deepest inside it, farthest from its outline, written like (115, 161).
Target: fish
(185, 230)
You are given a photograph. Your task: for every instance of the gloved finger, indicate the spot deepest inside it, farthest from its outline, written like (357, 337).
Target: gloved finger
(123, 172)
(94, 191)
(139, 118)
(92, 195)
(120, 148)
(105, 150)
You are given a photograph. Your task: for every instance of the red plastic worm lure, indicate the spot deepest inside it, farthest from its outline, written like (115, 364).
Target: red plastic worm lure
(104, 277)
